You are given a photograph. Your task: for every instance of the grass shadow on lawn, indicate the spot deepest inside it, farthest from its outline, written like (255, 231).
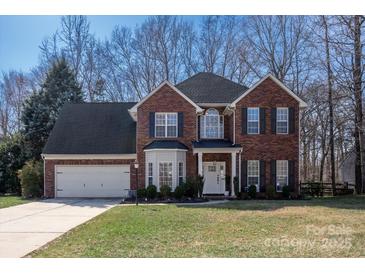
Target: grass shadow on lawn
(340, 202)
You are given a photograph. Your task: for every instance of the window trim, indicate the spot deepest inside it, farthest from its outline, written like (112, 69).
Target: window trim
(150, 175)
(258, 176)
(258, 120)
(165, 114)
(220, 127)
(287, 120)
(172, 172)
(287, 174)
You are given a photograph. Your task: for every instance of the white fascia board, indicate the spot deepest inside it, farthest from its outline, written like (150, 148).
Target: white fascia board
(217, 150)
(135, 107)
(165, 149)
(88, 156)
(207, 105)
(302, 104)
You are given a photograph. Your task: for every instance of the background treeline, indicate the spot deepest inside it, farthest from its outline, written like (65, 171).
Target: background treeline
(321, 58)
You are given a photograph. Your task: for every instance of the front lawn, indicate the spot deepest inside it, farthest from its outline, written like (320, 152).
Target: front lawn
(6, 201)
(327, 227)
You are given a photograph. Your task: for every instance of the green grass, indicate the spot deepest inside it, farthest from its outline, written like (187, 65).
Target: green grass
(7, 201)
(234, 229)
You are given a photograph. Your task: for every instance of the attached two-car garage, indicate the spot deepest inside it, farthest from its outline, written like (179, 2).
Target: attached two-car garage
(94, 181)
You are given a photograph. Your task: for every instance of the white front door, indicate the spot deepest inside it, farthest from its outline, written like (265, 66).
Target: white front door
(214, 177)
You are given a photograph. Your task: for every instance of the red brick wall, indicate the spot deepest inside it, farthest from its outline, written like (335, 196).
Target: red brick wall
(166, 100)
(269, 146)
(49, 173)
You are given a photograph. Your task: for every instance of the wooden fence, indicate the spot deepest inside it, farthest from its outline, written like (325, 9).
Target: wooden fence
(320, 189)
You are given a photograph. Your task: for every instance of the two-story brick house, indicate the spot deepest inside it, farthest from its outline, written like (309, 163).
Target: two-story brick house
(205, 125)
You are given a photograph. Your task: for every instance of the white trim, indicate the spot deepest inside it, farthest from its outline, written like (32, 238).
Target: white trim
(133, 110)
(287, 121)
(204, 116)
(216, 150)
(234, 126)
(172, 173)
(277, 81)
(213, 104)
(165, 149)
(87, 156)
(258, 121)
(166, 125)
(178, 172)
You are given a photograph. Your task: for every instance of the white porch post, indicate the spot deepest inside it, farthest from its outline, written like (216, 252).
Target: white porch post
(233, 171)
(200, 163)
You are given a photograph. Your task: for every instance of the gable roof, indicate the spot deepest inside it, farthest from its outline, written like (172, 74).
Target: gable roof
(206, 87)
(278, 82)
(134, 108)
(93, 128)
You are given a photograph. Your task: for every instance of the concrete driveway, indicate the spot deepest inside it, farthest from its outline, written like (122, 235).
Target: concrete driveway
(27, 227)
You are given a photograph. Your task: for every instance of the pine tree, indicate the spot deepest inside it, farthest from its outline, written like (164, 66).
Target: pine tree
(41, 110)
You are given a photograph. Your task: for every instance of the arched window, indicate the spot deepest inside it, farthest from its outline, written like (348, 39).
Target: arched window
(211, 124)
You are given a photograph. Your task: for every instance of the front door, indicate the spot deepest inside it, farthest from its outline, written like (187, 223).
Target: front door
(214, 177)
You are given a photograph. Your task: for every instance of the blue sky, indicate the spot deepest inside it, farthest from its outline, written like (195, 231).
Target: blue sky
(20, 36)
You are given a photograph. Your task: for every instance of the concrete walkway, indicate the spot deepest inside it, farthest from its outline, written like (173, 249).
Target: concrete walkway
(27, 227)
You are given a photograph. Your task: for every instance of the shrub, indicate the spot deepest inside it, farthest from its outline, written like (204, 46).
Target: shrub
(191, 189)
(179, 191)
(165, 191)
(270, 192)
(286, 192)
(151, 192)
(252, 191)
(141, 193)
(200, 182)
(236, 186)
(31, 179)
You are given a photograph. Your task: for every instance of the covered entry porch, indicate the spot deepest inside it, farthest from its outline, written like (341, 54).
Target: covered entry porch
(217, 161)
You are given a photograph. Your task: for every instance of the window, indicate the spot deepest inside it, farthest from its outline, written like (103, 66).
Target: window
(150, 174)
(212, 169)
(253, 173)
(212, 124)
(165, 174)
(282, 120)
(166, 124)
(181, 172)
(281, 174)
(253, 120)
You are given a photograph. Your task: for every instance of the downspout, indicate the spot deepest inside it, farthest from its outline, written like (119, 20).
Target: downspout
(44, 175)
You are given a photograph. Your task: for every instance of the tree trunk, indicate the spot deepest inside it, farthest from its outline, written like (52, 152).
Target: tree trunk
(359, 146)
(330, 106)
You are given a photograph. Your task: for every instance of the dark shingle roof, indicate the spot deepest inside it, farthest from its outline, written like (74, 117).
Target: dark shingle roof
(214, 144)
(206, 87)
(165, 144)
(93, 128)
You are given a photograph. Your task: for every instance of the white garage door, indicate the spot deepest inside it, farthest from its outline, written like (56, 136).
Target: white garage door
(92, 181)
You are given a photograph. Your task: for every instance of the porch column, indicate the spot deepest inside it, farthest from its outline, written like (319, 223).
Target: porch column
(233, 171)
(200, 163)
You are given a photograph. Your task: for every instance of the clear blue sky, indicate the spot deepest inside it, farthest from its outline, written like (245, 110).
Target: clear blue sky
(20, 36)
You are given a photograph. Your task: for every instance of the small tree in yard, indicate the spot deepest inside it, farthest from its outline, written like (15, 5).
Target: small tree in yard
(31, 179)
(252, 191)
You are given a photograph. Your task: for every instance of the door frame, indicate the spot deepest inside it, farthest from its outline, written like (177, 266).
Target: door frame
(206, 163)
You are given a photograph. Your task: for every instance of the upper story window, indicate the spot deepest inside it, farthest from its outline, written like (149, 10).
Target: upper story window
(165, 124)
(253, 115)
(282, 120)
(212, 124)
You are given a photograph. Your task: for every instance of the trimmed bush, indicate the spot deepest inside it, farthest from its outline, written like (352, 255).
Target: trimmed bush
(252, 191)
(31, 179)
(179, 191)
(165, 191)
(236, 186)
(191, 188)
(141, 193)
(151, 192)
(270, 192)
(286, 192)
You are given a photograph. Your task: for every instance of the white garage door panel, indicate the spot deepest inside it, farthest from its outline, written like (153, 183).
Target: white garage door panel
(92, 181)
